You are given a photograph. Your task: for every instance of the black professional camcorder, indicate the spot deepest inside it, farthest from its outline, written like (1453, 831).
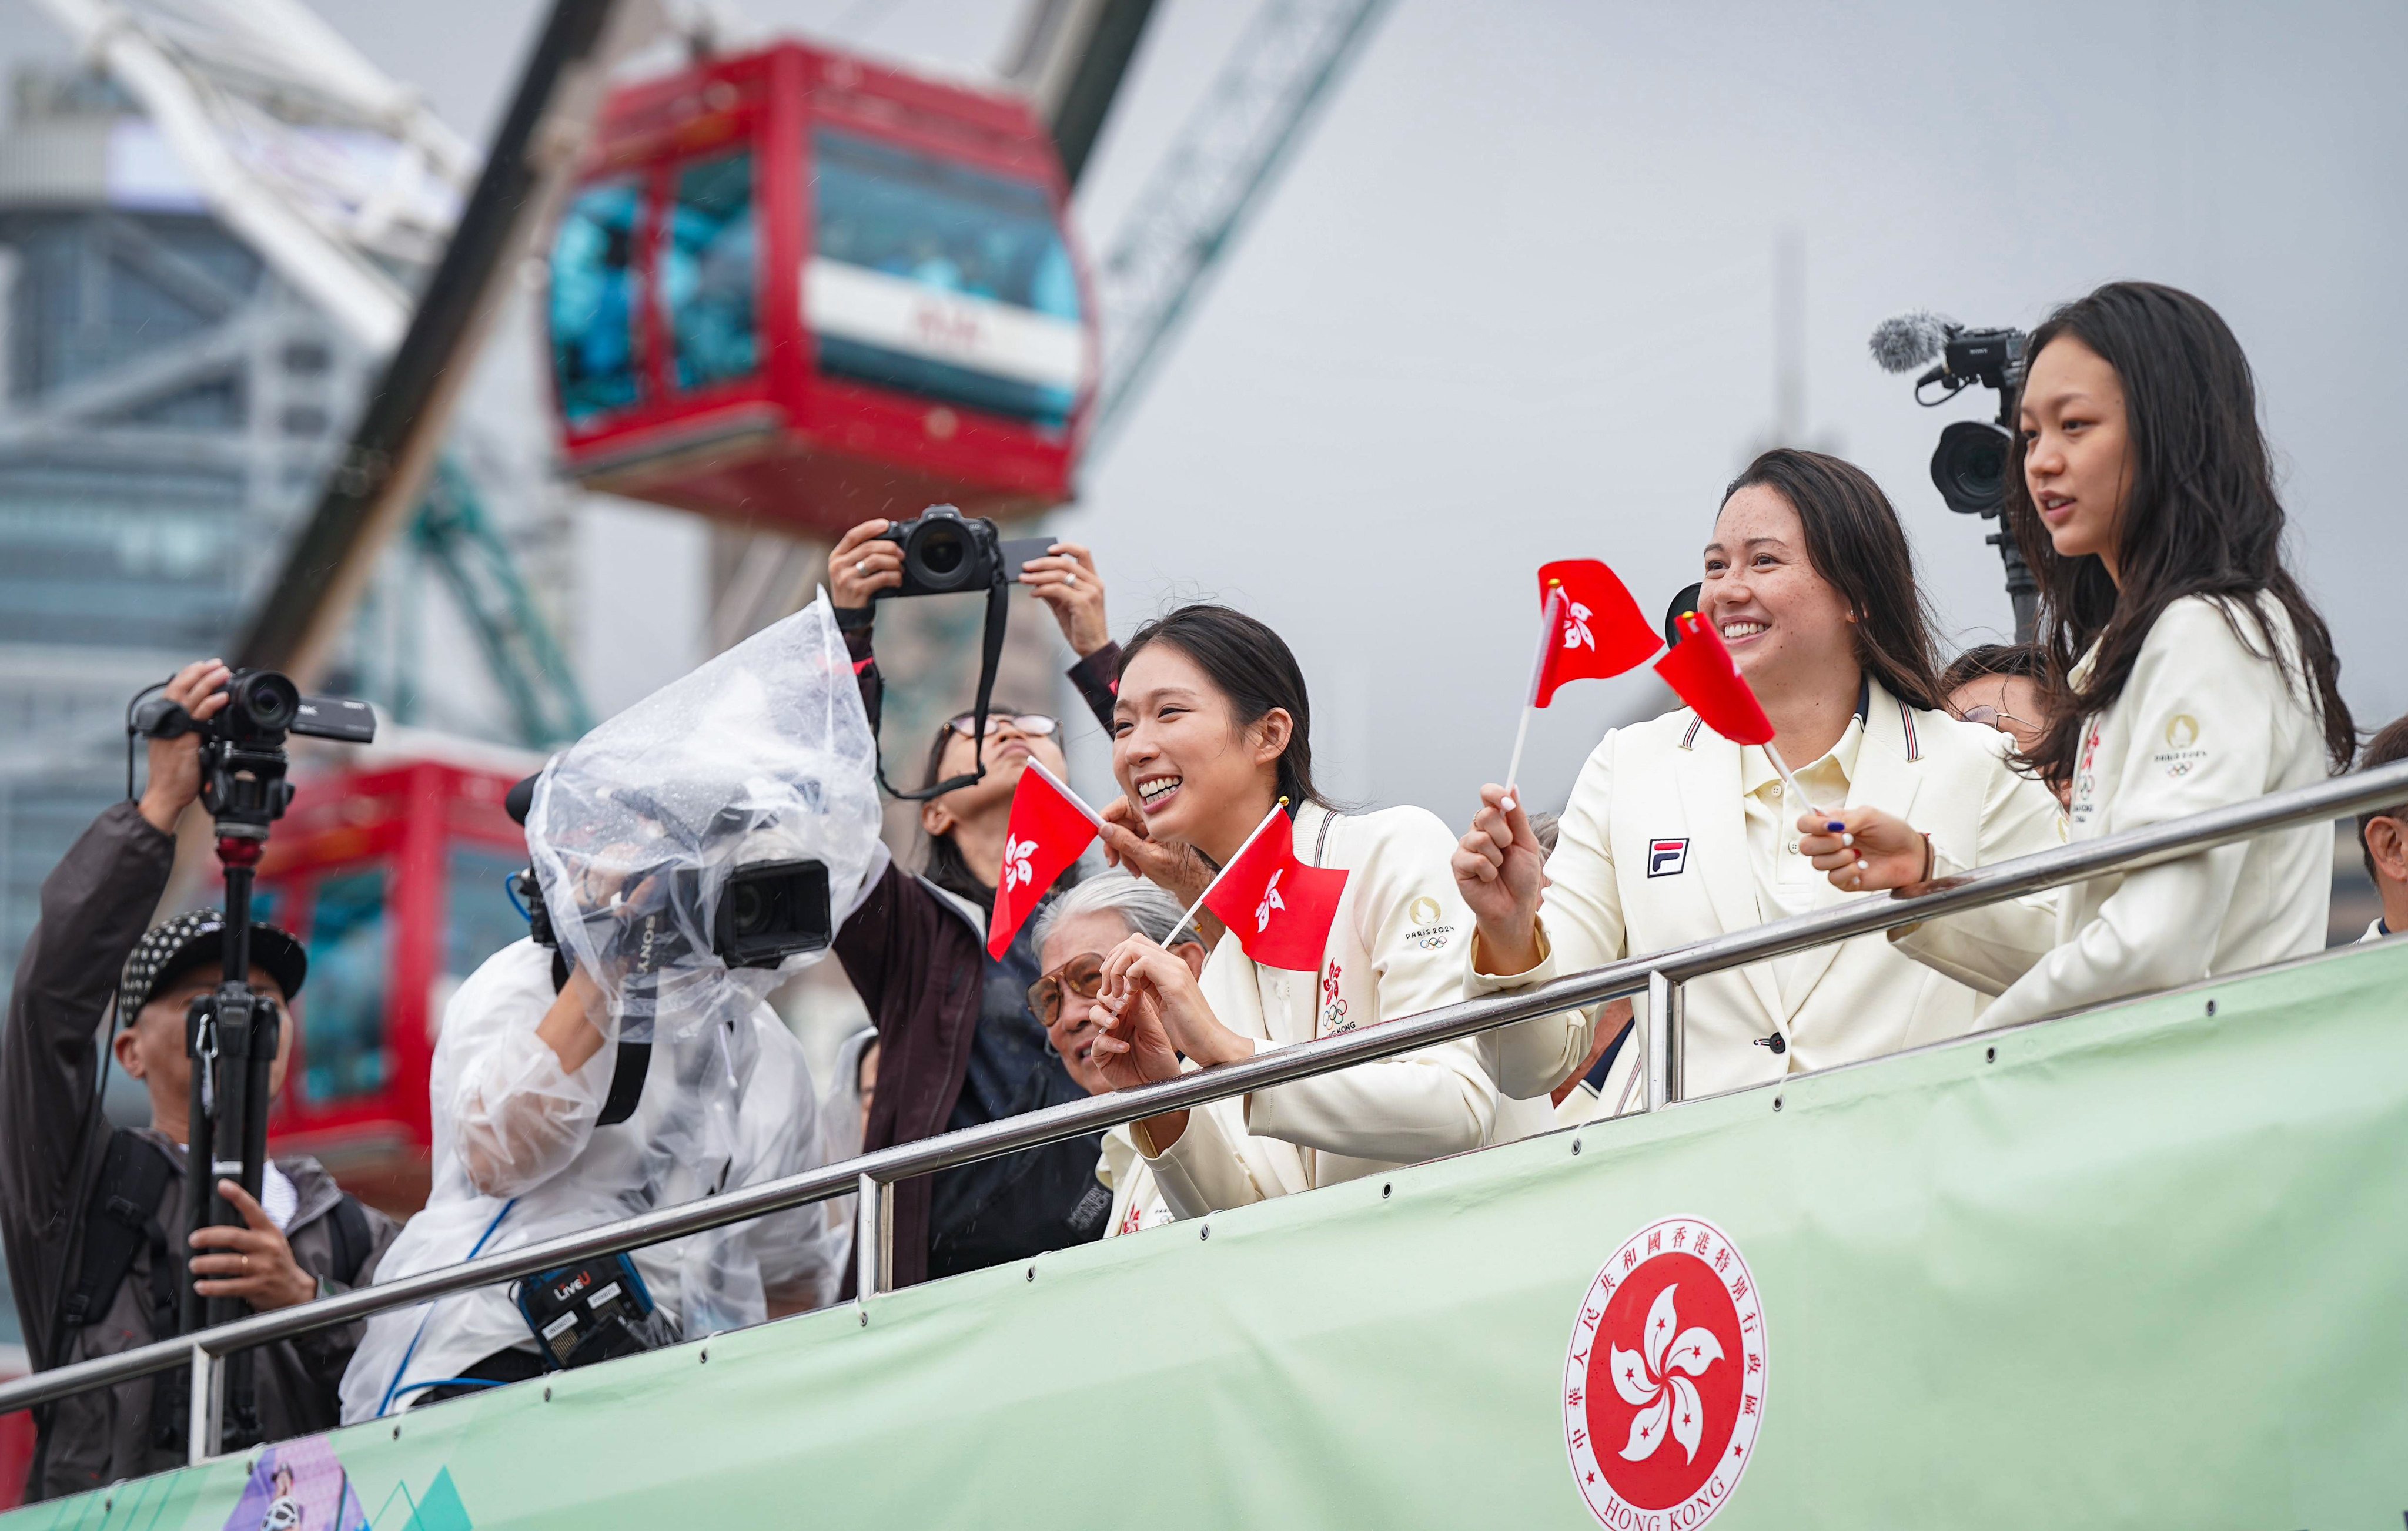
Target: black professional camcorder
(766, 911)
(1968, 467)
(945, 552)
(242, 747)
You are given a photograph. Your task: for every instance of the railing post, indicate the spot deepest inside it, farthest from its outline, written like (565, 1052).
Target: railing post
(1664, 1039)
(874, 1235)
(204, 1420)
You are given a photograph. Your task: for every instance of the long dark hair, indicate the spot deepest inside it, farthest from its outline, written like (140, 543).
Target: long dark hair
(1855, 542)
(2200, 515)
(1251, 666)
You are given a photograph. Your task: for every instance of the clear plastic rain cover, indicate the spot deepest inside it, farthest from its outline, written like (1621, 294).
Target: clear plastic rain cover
(762, 755)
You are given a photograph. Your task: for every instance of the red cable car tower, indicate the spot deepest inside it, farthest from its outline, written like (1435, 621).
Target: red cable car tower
(793, 286)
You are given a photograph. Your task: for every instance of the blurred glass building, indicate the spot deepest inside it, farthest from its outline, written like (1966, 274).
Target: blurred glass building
(167, 407)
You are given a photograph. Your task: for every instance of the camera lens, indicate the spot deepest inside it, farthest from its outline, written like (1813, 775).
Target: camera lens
(263, 701)
(745, 908)
(1969, 468)
(940, 552)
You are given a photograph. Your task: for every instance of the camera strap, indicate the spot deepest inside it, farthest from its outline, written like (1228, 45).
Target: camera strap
(999, 613)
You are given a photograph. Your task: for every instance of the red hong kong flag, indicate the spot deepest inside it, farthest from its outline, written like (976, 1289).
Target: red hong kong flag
(1597, 632)
(1701, 673)
(1280, 908)
(1050, 829)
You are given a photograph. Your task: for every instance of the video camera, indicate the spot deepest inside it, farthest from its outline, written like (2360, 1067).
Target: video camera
(768, 911)
(1968, 467)
(946, 553)
(233, 1033)
(242, 747)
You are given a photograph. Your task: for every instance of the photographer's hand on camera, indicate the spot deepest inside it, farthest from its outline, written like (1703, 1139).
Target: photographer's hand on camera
(861, 564)
(199, 689)
(254, 1262)
(1066, 580)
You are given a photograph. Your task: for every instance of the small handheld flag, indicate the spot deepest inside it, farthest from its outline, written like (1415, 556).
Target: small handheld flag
(1596, 630)
(1590, 629)
(1050, 829)
(1278, 909)
(1700, 673)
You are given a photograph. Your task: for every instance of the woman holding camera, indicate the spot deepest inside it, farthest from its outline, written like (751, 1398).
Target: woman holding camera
(956, 1044)
(2185, 670)
(1675, 835)
(1211, 730)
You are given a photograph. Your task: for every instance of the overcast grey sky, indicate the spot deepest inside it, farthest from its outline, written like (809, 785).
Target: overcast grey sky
(1514, 301)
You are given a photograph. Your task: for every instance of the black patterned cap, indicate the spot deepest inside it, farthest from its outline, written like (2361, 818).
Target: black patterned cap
(175, 947)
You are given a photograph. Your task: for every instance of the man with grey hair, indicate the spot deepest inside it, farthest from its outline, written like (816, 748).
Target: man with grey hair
(1074, 935)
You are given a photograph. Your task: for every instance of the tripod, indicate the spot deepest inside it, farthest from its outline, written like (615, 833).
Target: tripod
(231, 1035)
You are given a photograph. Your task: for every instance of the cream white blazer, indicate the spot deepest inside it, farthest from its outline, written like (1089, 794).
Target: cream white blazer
(1652, 854)
(1393, 950)
(2206, 719)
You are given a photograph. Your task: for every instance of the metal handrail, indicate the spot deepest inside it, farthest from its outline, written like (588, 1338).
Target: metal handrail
(1660, 973)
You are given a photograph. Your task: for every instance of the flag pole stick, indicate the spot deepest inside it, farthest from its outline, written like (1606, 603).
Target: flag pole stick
(1064, 788)
(1796, 793)
(1530, 700)
(1172, 939)
(1513, 771)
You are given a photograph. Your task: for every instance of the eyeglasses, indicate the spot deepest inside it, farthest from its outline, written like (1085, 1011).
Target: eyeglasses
(1082, 975)
(1994, 718)
(1035, 724)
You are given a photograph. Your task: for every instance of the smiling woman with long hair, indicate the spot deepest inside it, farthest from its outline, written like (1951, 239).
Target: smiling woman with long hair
(1211, 730)
(1674, 833)
(2186, 670)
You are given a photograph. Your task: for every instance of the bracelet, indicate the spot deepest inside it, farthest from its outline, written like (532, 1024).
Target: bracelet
(1929, 858)
(853, 619)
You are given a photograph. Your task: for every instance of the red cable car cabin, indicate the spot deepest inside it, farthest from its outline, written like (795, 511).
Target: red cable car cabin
(394, 879)
(799, 288)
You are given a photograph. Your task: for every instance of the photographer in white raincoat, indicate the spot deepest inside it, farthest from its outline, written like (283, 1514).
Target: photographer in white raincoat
(636, 1066)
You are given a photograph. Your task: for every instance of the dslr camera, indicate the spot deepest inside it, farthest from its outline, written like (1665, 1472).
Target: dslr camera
(946, 553)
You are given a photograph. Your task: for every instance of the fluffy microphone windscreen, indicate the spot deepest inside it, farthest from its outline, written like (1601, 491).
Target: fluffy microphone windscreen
(1906, 341)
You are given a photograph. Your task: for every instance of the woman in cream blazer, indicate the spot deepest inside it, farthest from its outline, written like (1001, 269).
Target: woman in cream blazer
(2203, 676)
(1674, 834)
(1211, 730)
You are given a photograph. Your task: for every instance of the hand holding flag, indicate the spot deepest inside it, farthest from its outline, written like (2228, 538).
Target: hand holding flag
(1590, 629)
(1050, 829)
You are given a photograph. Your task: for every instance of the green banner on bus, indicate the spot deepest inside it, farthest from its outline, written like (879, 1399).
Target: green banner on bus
(2146, 1266)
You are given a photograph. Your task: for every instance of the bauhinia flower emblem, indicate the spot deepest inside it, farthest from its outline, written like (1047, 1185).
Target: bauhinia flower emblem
(1271, 900)
(1576, 633)
(1655, 1380)
(1016, 869)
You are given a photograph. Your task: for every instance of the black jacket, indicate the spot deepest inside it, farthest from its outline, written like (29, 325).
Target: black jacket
(96, 905)
(918, 960)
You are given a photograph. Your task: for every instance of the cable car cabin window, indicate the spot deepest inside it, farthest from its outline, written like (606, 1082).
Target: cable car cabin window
(477, 917)
(708, 273)
(594, 300)
(942, 282)
(342, 1009)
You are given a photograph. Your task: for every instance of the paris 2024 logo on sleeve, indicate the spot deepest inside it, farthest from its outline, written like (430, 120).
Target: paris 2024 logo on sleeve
(1663, 1382)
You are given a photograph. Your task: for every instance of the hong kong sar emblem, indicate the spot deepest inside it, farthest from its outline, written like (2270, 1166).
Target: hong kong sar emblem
(1663, 1382)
